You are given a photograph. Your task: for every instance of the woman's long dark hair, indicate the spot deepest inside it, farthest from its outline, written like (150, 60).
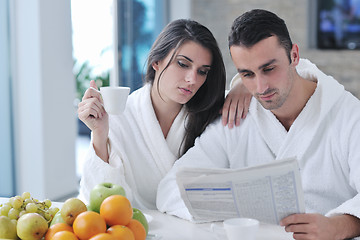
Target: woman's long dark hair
(205, 105)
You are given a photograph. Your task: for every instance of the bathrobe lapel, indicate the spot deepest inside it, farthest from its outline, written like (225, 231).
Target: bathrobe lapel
(300, 136)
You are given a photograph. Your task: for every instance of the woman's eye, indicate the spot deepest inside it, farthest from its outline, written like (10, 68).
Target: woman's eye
(203, 72)
(182, 64)
(246, 75)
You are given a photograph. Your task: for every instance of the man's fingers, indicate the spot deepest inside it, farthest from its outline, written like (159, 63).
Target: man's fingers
(298, 228)
(294, 219)
(302, 236)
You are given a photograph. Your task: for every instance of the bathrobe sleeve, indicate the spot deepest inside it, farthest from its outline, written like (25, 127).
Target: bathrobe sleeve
(349, 147)
(208, 152)
(97, 171)
(139, 155)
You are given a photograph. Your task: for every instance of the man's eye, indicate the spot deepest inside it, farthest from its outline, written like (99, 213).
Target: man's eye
(268, 69)
(182, 64)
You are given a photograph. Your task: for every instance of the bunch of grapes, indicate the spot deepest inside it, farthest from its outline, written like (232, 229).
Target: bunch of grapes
(20, 205)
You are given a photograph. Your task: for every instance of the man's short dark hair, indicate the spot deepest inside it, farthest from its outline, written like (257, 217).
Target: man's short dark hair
(256, 25)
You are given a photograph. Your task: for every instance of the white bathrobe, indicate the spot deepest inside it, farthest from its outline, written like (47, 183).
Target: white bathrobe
(324, 138)
(140, 156)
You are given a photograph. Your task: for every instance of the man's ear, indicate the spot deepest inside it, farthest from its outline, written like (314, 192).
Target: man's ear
(294, 55)
(155, 66)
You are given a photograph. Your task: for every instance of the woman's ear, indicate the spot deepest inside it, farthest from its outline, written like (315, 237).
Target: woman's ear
(155, 66)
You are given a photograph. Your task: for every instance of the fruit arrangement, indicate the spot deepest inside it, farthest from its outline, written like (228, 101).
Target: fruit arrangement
(109, 216)
(19, 210)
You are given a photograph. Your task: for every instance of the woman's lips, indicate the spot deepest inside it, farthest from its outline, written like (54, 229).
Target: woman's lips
(185, 91)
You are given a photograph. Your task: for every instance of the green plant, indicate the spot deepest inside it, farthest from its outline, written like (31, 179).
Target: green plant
(84, 74)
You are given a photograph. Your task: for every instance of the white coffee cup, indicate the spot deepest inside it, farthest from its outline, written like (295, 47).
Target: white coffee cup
(114, 99)
(241, 228)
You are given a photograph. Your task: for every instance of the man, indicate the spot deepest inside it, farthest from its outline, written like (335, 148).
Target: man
(316, 121)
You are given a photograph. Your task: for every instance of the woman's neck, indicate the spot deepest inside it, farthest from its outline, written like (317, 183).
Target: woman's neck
(165, 110)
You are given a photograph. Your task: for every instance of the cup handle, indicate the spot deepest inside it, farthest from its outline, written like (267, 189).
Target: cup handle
(95, 89)
(99, 93)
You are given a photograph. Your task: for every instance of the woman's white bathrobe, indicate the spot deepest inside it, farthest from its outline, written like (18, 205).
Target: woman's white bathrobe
(325, 138)
(140, 156)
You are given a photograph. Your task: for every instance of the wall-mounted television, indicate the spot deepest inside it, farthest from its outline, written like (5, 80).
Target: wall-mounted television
(338, 24)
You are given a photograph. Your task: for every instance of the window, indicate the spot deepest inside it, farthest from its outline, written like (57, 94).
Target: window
(92, 40)
(137, 25)
(139, 22)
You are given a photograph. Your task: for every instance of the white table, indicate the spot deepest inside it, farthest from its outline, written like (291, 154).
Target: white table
(166, 227)
(172, 228)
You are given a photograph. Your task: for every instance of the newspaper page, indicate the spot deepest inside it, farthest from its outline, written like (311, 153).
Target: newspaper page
(266, 192)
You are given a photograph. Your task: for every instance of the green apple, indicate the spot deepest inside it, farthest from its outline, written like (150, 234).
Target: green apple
(89, 208)
(57, 219)
(71, 209)
(138, 215)
(102, 191)
(7, 228)
(31, 226)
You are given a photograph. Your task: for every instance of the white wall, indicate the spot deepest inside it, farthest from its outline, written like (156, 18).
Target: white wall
(6, 166)
(45, 118)
(179, 9)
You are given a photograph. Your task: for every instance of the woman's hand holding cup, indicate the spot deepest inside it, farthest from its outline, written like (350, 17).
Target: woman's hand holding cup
(96, 105)
(91, 111)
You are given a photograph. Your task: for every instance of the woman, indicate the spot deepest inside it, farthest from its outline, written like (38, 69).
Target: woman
(184, 92)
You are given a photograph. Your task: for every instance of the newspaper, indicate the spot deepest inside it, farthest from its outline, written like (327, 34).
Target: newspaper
(266, 192)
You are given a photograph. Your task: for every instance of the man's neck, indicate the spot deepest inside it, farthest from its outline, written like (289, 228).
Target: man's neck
(301, 92)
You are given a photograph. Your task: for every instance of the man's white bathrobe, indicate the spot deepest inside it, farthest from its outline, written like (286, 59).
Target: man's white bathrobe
(140, 156)
(325, 138)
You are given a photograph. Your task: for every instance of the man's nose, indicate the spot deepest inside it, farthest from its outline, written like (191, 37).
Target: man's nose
(261, 84)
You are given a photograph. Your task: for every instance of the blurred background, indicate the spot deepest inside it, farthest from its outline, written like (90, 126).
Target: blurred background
(50, 50)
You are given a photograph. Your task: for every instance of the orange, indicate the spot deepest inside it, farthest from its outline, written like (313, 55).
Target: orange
(116, 210)
(64, 235)
(57, 228)
(138, 229)
(88, 224)
(121, 232)
(102, 236)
